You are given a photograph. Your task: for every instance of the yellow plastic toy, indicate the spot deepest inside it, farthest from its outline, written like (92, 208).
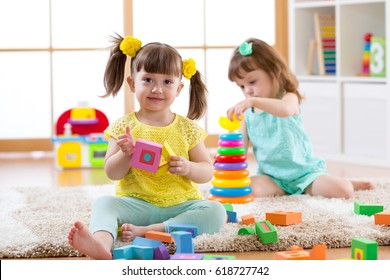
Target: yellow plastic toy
(227, 124)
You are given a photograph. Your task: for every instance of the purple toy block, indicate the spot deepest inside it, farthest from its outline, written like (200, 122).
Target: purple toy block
(161, 253)
(189, 257)
(146, 155)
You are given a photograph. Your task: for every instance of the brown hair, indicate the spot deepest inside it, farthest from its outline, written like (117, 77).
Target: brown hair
(154, 58)
(265, 57)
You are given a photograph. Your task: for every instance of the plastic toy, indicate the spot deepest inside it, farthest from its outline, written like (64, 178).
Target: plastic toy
(231, 183)
(218, 257)
(246, 231)
(382, 218)
(364, 249)
(318, 252)
(182, 257)
(248, 219)
(159, 236)
(161, 253)
(183, 241)
(366, 209)
(284, 218)
(231, 216)
(266, 232)
(366, 54)
(79, 141)
(183, 227)
(146, 155)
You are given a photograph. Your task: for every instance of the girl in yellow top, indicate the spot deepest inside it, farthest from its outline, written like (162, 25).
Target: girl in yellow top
(148, 201)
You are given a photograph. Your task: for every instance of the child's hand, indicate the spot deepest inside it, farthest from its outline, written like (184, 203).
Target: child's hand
(126, 142)
(179, 165)
(238, 110)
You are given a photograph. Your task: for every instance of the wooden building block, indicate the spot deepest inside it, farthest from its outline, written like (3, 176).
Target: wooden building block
(382, 218)
(183, 241)
(161, 253)
(178, 256)
(183, 227)
(146, 242)
(318, 252)
(246, 231)
(218, 257)
(284, 218)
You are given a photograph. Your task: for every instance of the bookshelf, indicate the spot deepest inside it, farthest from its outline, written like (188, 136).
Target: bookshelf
(346, 114)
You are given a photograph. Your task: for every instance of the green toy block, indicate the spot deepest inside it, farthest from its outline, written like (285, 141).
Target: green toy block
(364, 249)
(246, 231)
(378, 57)
(228, 207)
(368, 210)
(266, 232)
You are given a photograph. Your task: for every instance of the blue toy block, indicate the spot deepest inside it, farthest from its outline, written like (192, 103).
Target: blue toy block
(142, 252)
(121, 253)
(146, 242)
(232, 216)
(183, 227)
(183, 240)
(161, 253)
(190, 257)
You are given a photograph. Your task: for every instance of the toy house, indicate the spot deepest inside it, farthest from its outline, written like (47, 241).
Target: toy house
(79, 141)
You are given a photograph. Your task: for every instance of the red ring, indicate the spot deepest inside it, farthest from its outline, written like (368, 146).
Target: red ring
(230, 158)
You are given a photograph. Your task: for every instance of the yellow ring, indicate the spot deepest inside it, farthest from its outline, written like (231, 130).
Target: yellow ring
(223, 183)
(233, 200)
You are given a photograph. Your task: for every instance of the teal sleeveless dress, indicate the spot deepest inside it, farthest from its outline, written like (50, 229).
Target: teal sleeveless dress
(283, 150)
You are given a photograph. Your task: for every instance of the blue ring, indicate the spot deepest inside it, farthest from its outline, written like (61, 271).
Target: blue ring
(231, 136)
(231, 192)
(231, 166)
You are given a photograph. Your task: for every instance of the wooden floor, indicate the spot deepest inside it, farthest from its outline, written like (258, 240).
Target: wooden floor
(38, 169)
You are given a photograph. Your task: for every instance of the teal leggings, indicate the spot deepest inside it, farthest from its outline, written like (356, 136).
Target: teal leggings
(110, 212)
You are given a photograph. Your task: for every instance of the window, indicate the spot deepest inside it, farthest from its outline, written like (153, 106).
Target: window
(53, 55)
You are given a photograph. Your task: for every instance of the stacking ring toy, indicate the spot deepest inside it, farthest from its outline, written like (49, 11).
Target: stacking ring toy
(231, 192)
(231, 166)
(225, 183)
(230, 143)
(236, 174)
(233, 200)
(231, 136)
(230, 158)
(231, 151)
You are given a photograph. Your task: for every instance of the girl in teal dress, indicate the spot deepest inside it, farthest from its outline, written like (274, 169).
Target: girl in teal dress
(273, 125)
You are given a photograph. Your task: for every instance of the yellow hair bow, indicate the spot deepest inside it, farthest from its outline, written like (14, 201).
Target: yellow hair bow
(130, 46)
(189, 68)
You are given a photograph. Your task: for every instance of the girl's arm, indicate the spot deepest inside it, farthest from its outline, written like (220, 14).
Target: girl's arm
(119, 152)
(285, 107)
(198, 169)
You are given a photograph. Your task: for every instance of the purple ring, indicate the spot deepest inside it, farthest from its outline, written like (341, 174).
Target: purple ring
(231, 166)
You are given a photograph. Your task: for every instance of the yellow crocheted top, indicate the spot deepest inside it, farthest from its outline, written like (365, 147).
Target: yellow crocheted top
(167, 189)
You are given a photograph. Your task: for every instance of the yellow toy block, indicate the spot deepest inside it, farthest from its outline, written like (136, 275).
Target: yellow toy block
(167, 152)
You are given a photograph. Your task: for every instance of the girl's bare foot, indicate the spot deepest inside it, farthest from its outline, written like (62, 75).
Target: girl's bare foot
(82, 240)
(362, 185)
(129, 231)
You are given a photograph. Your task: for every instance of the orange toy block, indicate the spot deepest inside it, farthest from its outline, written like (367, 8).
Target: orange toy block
(292, 255)
(382, 218)
(248, 219)
(318, 252)
(284, 218)
(159, 236)
(296, 248)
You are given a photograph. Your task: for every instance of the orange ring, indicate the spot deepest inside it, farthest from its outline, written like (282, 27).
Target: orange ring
(236, 174)
(225, 183)
(233, 200)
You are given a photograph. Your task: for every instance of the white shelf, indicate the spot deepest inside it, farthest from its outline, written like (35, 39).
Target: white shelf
(347, 115)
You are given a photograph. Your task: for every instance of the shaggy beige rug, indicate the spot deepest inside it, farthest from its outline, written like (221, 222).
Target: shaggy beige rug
(35, 221)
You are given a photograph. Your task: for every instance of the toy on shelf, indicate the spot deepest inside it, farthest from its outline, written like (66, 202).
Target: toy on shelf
(378, 57)
(231, 183)
(324, 43)
(79, 141)
(366, 54)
